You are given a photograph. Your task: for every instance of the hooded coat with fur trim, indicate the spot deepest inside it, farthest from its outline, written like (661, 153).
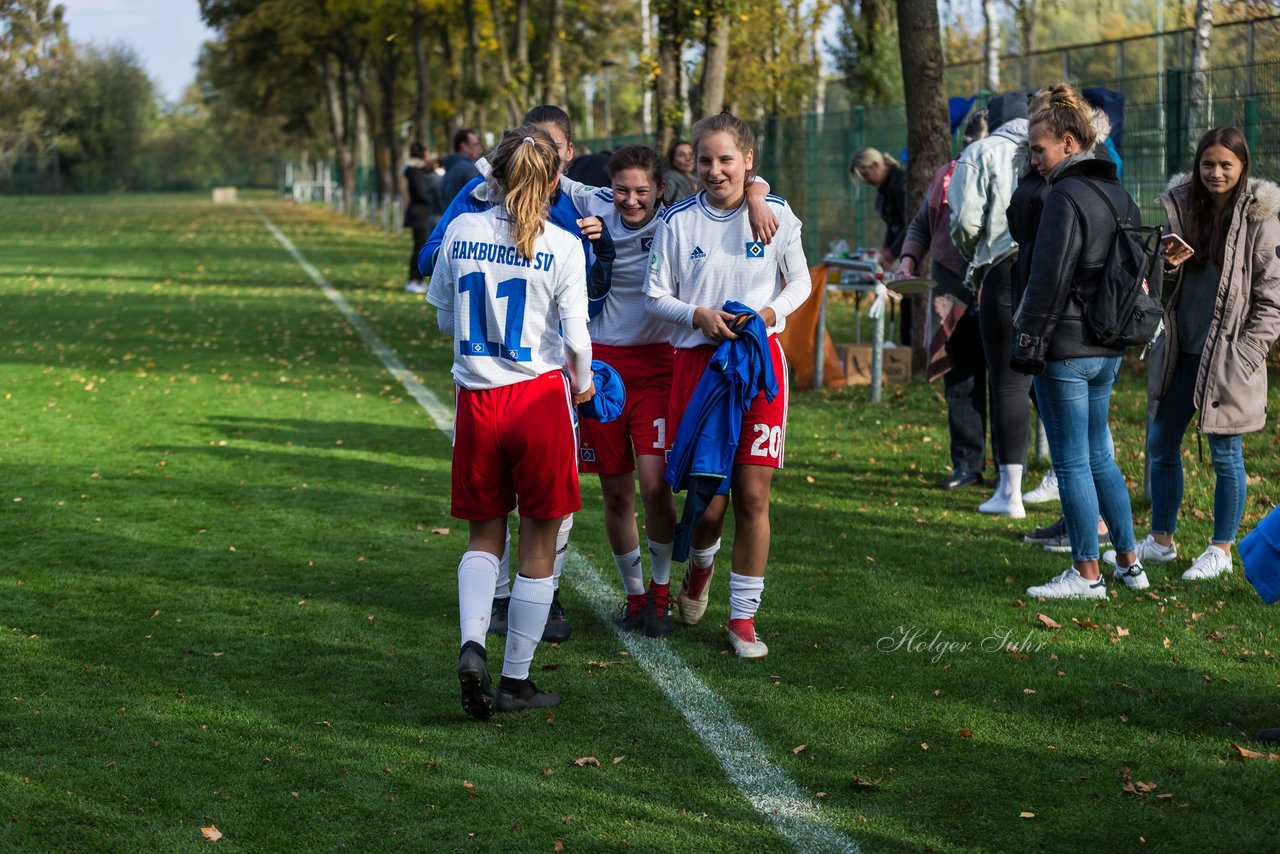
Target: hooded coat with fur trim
(1231, 385)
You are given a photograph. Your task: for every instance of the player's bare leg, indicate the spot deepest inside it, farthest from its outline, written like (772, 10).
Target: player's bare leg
(695, 590)
(751, 487)
(477, 573)
(659, 525)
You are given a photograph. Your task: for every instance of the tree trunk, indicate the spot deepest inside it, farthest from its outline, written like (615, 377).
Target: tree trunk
(421, 112)
(504, 67)
(715, 61)
(646, 57)
(455, 93)
(993, 45)
(553, 84)
(522, 50)
(1199, 95)
(388, 77)
(670, 46)
(474, 90)
(340, 128)
(928, 126)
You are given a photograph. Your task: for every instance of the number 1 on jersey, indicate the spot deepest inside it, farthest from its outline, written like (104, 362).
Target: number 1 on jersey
(513, 291)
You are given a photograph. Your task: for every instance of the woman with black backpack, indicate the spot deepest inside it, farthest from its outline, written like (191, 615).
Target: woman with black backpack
(1222, 316)
(1073, 371)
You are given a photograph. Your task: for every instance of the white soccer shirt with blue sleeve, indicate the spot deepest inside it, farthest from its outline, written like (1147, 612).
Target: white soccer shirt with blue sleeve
(507, 308)
(703, 256)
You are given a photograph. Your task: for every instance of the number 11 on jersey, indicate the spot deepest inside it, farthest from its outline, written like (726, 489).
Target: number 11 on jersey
(477, 343)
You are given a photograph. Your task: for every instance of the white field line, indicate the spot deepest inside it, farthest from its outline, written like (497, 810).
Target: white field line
(743, 757)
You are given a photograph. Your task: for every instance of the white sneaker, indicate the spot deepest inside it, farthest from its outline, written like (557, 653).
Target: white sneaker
(1070, 585)
(1212, 562)
(416, 287)
(998, 505)
(1133, 576)
(1150, 551)
(1044, 493)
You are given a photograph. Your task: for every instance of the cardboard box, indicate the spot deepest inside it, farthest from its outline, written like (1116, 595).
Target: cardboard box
(856, 359)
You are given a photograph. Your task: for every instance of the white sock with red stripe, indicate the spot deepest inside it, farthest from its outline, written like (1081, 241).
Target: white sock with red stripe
(660, 562)
(562, 549)
(476, 574)
(631, 571)
(530, 603)
(744, 596)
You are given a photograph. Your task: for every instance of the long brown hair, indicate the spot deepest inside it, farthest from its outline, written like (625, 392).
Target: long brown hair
(1207, 231)
(526, 166)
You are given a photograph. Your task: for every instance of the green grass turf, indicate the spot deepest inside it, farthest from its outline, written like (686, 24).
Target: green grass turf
(226, 599)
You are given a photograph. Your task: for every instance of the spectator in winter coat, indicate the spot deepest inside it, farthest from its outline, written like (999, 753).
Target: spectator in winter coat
(422, 208)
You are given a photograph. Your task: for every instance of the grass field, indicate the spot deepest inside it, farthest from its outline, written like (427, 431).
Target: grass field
(227, 590)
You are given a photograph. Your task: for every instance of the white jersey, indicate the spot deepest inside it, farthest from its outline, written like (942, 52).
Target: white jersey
(507, 308)
(623, 322)
(703, 256)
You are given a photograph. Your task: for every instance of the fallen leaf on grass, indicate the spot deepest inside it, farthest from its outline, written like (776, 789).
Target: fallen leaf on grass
(1026, 815)
(156, 614)
(859, 783)
(1164, 796)
(798, 748)
(470, 788)
(1028, 690)
(1167, 642)
(210, 833)
(1246, 753)
(444, 532)
(1048, 622)
(1121, 632)
(1135, 787)
(618, 759)
(924, 745)
(584, 761)
(1086, 623)
(558, 847)
(965, 733)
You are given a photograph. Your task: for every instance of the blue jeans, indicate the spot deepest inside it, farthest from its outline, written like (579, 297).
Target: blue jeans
(1164, 447)
(1075, 399)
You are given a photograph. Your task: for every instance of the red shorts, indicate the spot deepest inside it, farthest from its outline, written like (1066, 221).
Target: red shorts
(516, 440)
(764, 426)
(646, 373)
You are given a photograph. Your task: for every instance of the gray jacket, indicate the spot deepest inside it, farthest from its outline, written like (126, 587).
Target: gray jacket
(1231, 385)
(981, 187)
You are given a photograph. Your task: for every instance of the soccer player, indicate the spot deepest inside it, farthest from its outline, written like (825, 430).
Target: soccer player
(510, 288)
(704, 254)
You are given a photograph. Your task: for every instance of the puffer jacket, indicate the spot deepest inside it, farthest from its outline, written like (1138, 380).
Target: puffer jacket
(1072, 246)
(981, 187)
(1231, 385)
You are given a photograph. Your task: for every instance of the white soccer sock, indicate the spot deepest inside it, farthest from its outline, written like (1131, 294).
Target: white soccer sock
(702, 558)
(631, 571)
(660, 562)
(1011, 482)
(502, 589)
(562, 549)
(530, 602)
(476, 573)
(744, 596)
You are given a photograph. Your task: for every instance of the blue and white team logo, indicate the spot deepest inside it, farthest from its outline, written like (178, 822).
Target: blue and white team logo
(477, 347)
(697, 254)
(755, 249)
(588, 454)
(646, 244)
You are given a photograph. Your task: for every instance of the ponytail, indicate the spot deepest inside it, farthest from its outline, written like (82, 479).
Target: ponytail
(1066, 113)
(526, 166)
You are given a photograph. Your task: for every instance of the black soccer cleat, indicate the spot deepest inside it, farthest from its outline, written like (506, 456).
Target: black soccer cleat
(658, 622)
(498, 616)
(557, 628)
(516, 694)
(473, 677)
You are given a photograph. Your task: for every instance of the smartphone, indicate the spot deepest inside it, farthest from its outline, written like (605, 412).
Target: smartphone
(1175, 241)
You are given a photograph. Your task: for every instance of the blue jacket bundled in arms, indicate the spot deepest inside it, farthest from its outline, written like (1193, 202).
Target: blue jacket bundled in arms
(701, 459)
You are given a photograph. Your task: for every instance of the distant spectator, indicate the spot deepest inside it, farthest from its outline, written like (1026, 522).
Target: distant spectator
(681, 178)
(1074, 372)
(953, 340)
(981, 188)
(460, 167)
(887, 176)
(1222, 314)
(422, 208)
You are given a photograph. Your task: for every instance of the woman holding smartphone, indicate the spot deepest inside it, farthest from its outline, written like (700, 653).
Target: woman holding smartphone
(1222, 314)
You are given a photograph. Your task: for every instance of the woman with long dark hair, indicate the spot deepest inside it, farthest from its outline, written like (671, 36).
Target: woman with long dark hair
(1222, 314)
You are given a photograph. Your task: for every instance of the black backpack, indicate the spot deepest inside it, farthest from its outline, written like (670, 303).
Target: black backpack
(1125, 310)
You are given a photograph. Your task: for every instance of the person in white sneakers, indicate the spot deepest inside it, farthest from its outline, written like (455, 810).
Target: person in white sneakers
(1222, 314)
(1074, 373)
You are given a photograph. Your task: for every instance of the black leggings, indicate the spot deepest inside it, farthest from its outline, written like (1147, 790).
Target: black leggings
(420, 236)
(1010, 404)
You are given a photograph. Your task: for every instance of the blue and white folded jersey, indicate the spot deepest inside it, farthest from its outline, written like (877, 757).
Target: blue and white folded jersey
(507, 308)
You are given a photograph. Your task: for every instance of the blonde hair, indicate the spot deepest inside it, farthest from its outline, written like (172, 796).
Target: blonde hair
(869, 156)
(726, 122)
(1067, 113)
(526, 166)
